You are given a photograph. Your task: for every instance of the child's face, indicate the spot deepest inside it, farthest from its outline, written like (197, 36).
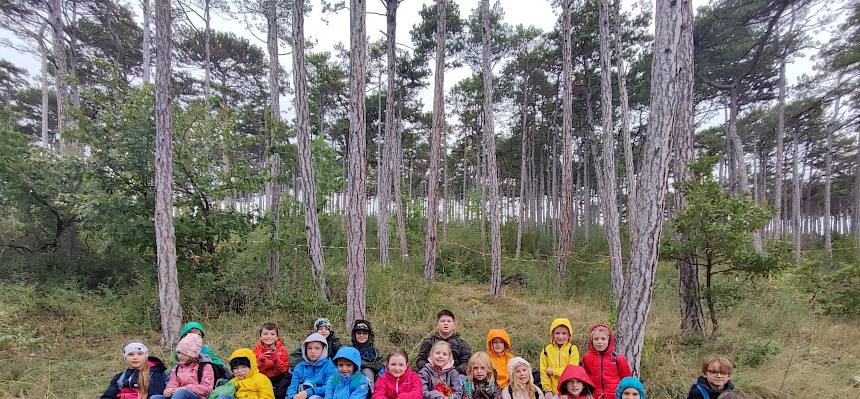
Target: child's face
(268, 337)
(195, 331)
(313, 351)
(480, 371)
(324, 331)
(498, 345)
(600, 341)
(716, 377)
(440, 356)
(345, 367)
(630, 393)
(241, 371)
(521, 373)
(573, 387)
(445, 325)
(560, 335)
(362, 336)
(183, 358)
(135, 359)
(396, 365)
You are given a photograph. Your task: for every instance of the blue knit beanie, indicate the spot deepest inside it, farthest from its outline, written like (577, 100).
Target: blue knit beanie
(630, 382)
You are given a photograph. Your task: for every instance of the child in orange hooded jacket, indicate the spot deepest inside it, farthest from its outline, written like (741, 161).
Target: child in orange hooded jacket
(499, 350)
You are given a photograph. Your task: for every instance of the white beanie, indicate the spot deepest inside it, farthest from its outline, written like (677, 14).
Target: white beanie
(135, 346)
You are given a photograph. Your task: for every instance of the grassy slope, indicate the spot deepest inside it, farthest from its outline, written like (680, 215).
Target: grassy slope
(66, 344)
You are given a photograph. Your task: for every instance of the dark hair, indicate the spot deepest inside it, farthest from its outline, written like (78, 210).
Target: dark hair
(735, 394)
(444, 312)
(396, 352)
(269, 326)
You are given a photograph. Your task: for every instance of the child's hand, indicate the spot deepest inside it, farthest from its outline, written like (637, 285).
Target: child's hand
(169, 392)
(301, 395)
(549, 370)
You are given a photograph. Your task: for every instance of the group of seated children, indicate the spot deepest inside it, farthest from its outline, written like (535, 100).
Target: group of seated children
(323, 368)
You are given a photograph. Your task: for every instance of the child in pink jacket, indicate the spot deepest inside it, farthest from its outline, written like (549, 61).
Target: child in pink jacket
(189, 379)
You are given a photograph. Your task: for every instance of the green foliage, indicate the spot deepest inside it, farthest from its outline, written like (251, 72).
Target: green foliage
(758, 351)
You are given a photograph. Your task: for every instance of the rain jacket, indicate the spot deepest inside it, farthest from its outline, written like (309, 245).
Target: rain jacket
(500, 360)
(460, 351)
(407, 386)
(632, 382)
(354, 386)
(332, 343)
(255, 385)
(440, 384)
(185, 376)
(272, 361)
(605, 368)
(557, 357)
(702, 384)
(370, 358)
(312, 377)
(205, 350)
(576, 372)
(125, 385)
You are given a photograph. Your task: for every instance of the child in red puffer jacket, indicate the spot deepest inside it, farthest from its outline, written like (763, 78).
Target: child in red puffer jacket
(604, 367)
(398, 381)
(273, 359)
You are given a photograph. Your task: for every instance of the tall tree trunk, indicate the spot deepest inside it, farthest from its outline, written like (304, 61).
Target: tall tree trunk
(46, 106)
(855, 217)
(627, 142)
(388, 173)
(523, 152)
(564, 239)
(795, 199)
(741, 185)
(435, 142)
(207, 48)
(309, 190)
(398, 198)
(828, 234)
(671, 110)
(147, 43)
(274, 189)
(490, 146)
(446, 211)
(357, 170)
(165, 238)
(55, 8)
(610, 203)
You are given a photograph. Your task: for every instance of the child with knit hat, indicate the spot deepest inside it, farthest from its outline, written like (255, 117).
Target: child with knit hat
(522, 382)
(189, 379)
(630, 388)
(363, 340)
(323, 327)
(193, 327)
(143, 377)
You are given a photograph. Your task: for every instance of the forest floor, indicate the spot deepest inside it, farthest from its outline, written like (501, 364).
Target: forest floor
(66, 343)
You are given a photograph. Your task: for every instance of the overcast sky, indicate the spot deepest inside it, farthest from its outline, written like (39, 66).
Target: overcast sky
(331, 29)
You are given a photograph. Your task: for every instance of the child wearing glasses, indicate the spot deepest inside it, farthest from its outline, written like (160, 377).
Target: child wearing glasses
(715, 378)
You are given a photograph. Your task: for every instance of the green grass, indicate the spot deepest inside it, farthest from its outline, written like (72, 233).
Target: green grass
(65, 343)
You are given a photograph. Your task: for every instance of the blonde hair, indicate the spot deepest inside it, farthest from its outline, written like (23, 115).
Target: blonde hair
(599, 329)
(143, 380)
(724, 363)
(482, 358)
(517, 387)
(440, 344)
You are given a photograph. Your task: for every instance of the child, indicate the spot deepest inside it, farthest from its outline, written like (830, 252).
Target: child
(630, 388)
(313, 372)
(480, 381)
(193, 327)
(445, 332)
(716, 372)
(363, 340)
(439, 378)
(522, 380)
(143, 377)
(189, 379)
(499, 349)
(324, 328)
(604, 366)
(557, 355)
(249, 382)
(576, 384)
(348, 382)
(398, 381)
(273, 358)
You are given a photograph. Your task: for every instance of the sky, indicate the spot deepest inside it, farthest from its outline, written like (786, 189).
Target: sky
(330, 29)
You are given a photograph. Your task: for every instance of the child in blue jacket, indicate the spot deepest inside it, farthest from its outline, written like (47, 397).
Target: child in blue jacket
(349, 382)
(313, 372)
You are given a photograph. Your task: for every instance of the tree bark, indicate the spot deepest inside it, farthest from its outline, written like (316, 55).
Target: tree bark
(855, 217)
(46, 111)
(357, 169)
(828, 234)
(387, 173)
(490, 147)
(671, 109)
(398, 199)
(207, 48)
(625, 114)
(55, 8)
(274, 189)
(309, 190)
(165, 238)
(610, 183)
(435, 142)
(275, 167)
(523, 152)
(147, 43)
(795, 199)
(565, 210)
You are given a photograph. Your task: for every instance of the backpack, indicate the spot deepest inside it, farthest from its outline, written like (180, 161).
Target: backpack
(467, 386)
(511, 392)
(702, 390)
